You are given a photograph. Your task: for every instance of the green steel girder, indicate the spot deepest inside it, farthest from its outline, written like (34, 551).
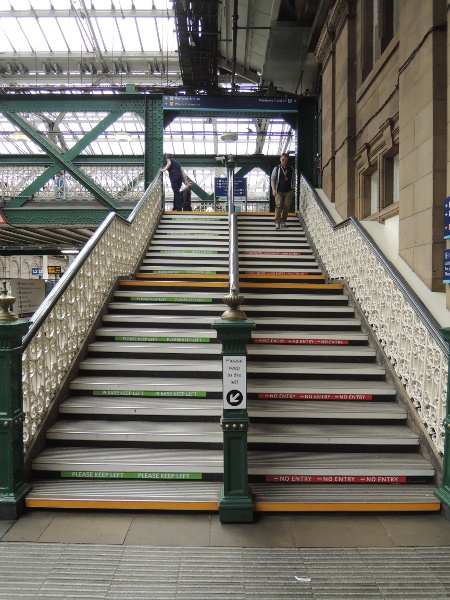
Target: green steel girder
(75, 103)
(69, 155)
(58, 217)
(125, 189)
(63, 160)
(154, 133)
(188, 160)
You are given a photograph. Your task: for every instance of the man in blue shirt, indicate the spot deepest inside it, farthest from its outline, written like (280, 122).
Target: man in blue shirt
(176, 176)
(282, 182)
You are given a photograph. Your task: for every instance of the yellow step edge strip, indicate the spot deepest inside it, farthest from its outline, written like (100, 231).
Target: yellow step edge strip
(197, 212)
(225, 277)
(123, 505)
(213, 506)
(263, 276)
(383, 507)
(179, 276)
(224, 285)
(153, 284)
(293, 286)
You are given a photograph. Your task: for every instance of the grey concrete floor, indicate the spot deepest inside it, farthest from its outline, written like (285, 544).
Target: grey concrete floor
(205, 530)
(157, 556)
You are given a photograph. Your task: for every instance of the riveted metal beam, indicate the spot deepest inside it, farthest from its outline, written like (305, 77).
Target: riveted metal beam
(72, 153)
(48, 217)
(73, 103)
(63, 160)
(153, 119)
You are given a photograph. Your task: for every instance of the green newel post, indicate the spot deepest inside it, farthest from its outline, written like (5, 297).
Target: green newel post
(234, 332)
(443, 493)
(13, 487)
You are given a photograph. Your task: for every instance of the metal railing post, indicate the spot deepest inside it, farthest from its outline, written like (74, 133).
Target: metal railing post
(443, 493)
(13, 487)
(234, 332)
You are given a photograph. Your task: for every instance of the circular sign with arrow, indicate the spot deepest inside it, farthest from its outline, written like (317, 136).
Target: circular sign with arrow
(235, 397)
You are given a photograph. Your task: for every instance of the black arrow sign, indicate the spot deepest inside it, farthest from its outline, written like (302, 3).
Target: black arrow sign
(235, 397)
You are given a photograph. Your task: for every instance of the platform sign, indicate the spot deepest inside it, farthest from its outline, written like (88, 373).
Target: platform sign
(447, 218)
(54, 269)
(221, 187)
(36, 271)
(446, 266)
(231, 103)
(234, 382)
(29, 295)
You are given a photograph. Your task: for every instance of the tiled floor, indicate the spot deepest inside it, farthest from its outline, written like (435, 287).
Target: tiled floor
(205, 530)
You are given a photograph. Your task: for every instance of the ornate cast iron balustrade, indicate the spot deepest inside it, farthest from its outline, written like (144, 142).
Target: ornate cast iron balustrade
(60, 326)
(124, 183)
(409, 336)
(202, 206)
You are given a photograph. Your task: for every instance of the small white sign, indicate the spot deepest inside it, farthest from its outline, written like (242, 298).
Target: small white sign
(234, 370)
(29, 295)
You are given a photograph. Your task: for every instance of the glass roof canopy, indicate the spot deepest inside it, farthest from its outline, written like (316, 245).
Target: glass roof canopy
(75, 46)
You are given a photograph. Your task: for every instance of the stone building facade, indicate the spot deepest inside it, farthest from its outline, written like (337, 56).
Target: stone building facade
(385, 89)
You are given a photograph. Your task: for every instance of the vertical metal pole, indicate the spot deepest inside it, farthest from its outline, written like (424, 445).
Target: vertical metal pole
(443, 493)
(234, 332)
(230, 183)
(13, 487)
(235, 499)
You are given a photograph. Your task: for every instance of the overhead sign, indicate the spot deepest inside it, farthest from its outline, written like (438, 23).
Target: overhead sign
(37, 271)
(446, 218)
(234, 382)
(232, 103)
(446, 266)
(239, 187)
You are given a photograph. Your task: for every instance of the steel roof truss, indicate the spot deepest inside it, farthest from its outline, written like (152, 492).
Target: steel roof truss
(64, 160)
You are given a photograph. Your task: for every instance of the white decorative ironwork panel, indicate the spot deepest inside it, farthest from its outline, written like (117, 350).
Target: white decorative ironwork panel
(52, 350)
(418, 359)
(124, 183)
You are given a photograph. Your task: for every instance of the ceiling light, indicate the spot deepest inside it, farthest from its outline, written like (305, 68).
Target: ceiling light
(69, 251)
(229, 137)
(18, 135)
(122, 136)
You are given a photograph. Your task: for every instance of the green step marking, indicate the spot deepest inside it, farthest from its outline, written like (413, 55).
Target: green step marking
(122, 475)
(136, 338)
(184, 272)
(167, 299)
(155, 394)
(188, 251)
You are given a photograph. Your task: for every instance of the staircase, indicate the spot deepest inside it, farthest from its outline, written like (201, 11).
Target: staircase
(140, 428)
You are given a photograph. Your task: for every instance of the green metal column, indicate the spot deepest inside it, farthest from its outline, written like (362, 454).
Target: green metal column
(443, 493)
(154, 135)
(13, 487)
(235, 500)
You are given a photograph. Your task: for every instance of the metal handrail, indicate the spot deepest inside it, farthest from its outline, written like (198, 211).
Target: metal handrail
(51, 300)
(405, 289)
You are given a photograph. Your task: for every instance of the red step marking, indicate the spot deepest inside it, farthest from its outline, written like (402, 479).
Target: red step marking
(275, 253)
(335, 479)
(274, 273)
(300, 341)
(279, 396)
